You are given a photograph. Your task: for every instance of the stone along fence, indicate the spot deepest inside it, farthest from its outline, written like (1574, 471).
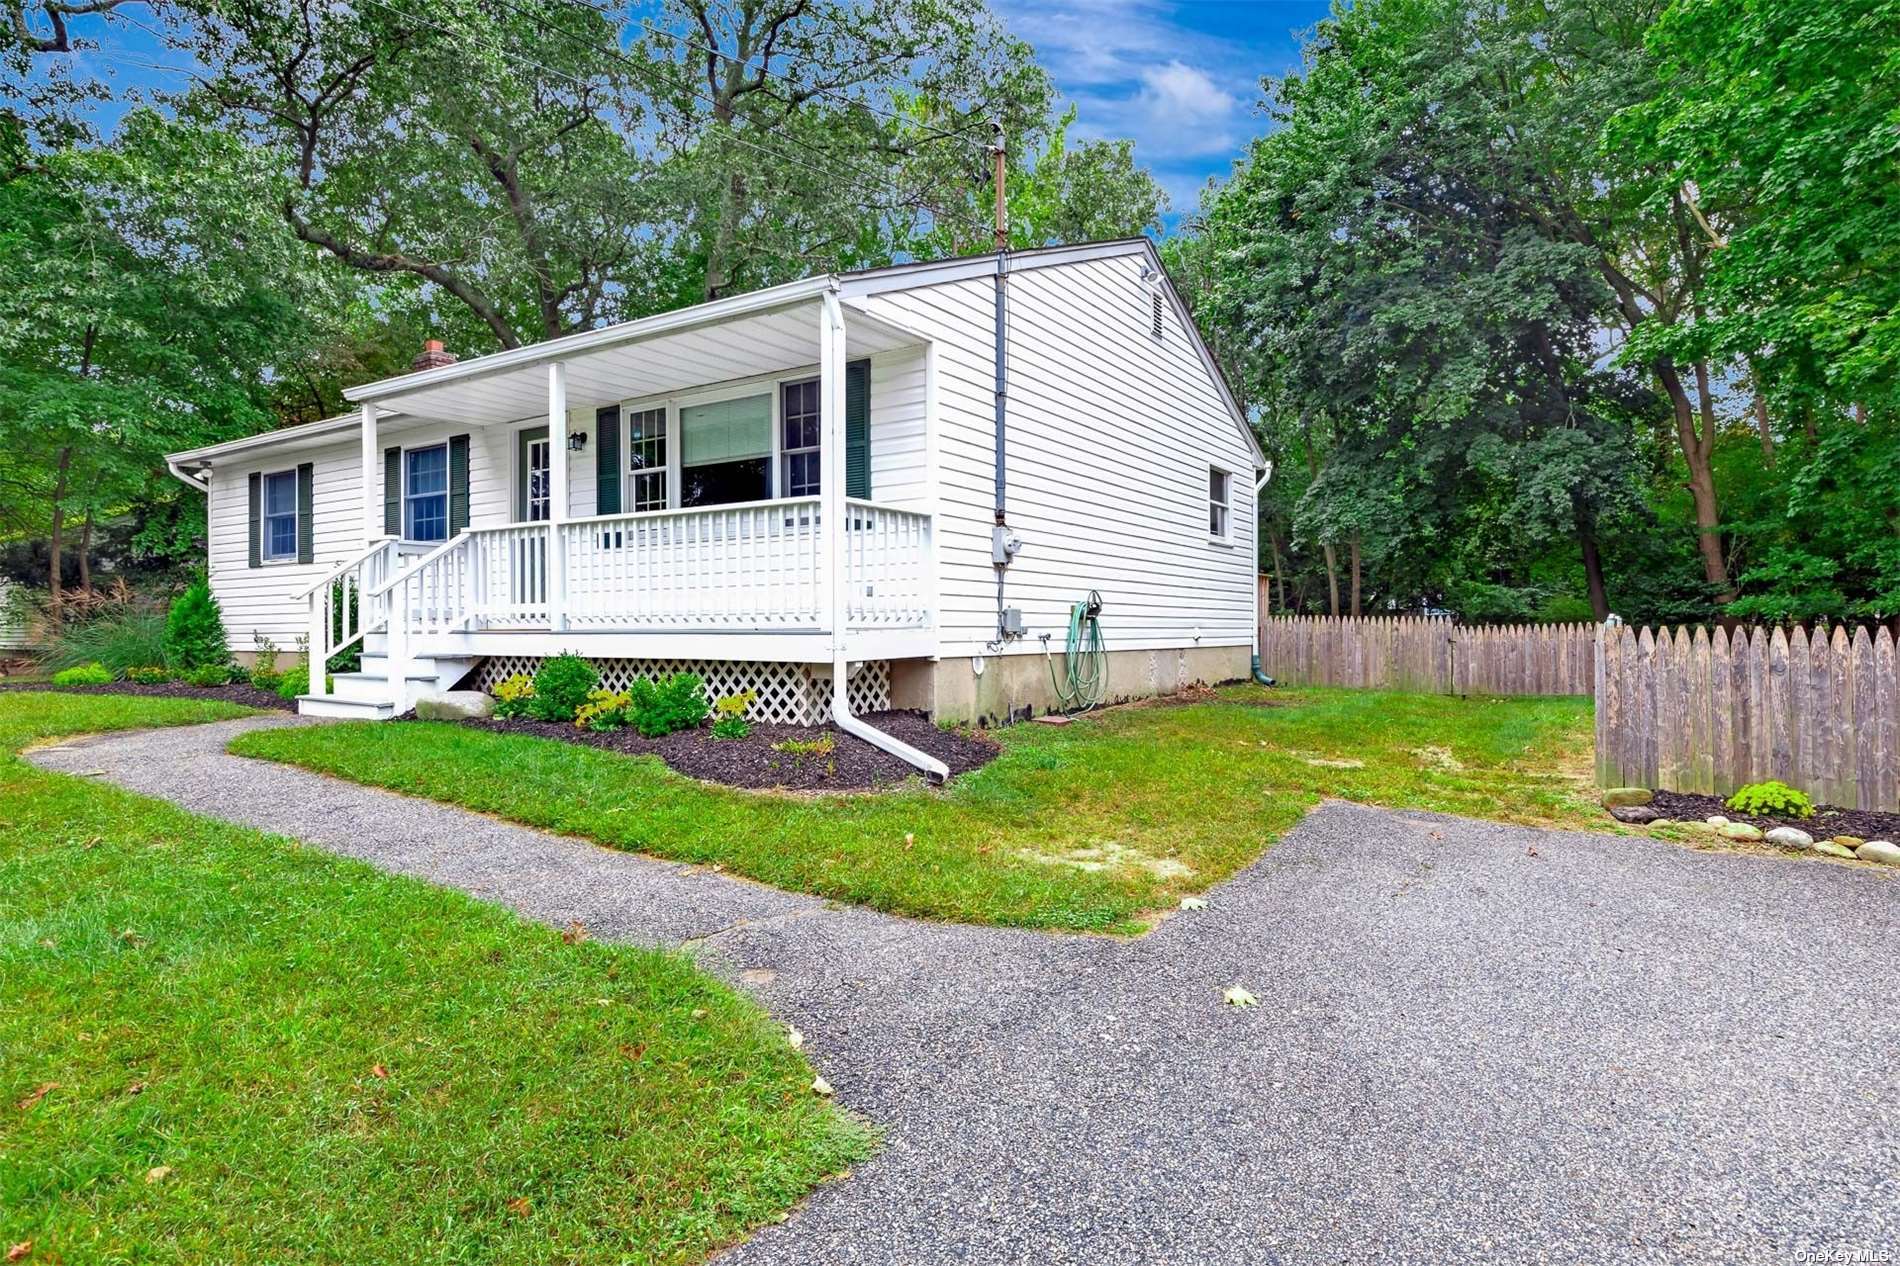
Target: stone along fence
(1430, 655)
(1699, 713)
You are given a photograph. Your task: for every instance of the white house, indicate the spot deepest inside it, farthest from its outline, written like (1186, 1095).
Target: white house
(828, 491)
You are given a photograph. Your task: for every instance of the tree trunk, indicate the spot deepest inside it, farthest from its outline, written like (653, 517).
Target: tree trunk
(1592, 562)
(1696, 450)
(55, 603)
(1332, 578)
(1353, 546)
(1761, 420)
(85, 555)
(1279, 566)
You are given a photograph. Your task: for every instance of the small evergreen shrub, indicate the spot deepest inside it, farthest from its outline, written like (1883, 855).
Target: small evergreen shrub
(729, 720)
(1771, 800)
(149, 676)
(513, 696)
(661, 708)
(194, 631)
(83, 675)
(604, 710)
(208, 675)
(561, 687)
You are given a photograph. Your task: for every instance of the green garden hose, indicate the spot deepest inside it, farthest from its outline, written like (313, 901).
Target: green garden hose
(1084, 677)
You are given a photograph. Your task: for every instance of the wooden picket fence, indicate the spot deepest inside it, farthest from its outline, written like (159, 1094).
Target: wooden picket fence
(1430, 655)
(1694, 712)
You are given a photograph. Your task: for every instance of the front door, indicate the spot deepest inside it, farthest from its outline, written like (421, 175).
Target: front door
(531, 480)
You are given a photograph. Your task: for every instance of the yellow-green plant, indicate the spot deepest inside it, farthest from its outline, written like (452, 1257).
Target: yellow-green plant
(512, 695)
(604, 710)
(1771, 800)
(729, 719)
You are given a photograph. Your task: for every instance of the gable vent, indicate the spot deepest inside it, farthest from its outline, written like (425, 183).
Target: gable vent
(1154, 320)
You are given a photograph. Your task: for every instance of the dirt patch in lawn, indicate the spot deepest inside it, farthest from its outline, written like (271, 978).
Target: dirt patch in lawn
(1828, 820)
(759, 762)
(245, 693)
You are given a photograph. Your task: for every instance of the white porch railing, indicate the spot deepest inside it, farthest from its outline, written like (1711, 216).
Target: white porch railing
(348, 603)
(887, 574)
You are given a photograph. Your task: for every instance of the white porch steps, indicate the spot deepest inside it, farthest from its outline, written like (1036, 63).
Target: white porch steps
(366, 695)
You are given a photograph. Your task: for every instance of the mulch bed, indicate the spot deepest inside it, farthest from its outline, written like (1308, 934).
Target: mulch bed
(1827, 820)
(752, 762)
(248, 695)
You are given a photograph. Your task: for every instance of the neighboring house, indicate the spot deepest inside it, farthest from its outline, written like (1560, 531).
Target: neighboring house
(15, 635)
(764, 487)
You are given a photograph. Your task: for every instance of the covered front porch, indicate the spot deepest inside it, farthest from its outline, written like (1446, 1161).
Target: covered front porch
(758, 471)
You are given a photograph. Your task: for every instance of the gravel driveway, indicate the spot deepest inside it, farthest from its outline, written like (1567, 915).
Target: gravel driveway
(1472, 1040)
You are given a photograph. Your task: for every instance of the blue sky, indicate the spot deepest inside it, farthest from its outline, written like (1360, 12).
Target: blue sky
(1181, 78)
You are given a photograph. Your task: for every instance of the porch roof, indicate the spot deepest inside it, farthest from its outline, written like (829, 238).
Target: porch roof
(763, 332)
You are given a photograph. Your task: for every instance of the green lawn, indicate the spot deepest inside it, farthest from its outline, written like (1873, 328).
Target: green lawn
(1094, 825)
(218, 1046)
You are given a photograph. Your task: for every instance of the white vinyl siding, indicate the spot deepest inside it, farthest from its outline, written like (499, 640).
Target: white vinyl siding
(1112, 431)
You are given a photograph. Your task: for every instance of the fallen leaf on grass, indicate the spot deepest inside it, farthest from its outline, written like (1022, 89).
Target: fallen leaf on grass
(819, 1086)
(1238, 997)
(136, 1088)
(793, 1038)
(1194, 903)
(158, 1173)
(378, 1071)
(521, 1206)
(699, 1013)
(576, 933)
(20, 1250)
(38, 1093)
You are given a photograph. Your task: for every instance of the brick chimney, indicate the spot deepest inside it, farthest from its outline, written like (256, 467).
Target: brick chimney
(431, 357)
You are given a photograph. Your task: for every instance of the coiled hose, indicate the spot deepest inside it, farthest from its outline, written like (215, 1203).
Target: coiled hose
(1084, 677)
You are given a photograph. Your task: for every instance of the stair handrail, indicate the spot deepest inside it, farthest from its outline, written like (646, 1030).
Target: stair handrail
(350, 564)
(416, 567)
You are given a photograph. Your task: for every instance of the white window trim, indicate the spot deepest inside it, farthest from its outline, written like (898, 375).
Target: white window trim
(771, 385)
(264, 557)
(447, 494)
(1224, 539)
(779, 451)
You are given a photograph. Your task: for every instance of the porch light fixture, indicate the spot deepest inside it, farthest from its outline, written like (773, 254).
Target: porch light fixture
(576, 441)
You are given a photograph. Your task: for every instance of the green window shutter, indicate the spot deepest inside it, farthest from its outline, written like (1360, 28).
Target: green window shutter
(607, 460)
(392, 492)
(257, 520)
(857, 430)
(306, 516)
(458, 484)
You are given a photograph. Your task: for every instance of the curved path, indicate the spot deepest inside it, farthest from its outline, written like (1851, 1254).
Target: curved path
(1472, 1040)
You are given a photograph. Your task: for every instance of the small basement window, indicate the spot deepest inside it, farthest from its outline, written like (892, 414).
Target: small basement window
(1220, 502)
(280, 516)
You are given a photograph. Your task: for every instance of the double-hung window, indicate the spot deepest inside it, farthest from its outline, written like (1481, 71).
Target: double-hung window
(425, 494)
(646, 446)
(1220, 502)
(802, 432)
(280, 516)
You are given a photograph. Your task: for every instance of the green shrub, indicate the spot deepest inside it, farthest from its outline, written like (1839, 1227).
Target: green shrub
(148, 675)
(660, 708)
(208, 675)
(194, 631)
(1771, 800)
(514, 696)
(729, 721)
(264, 673)
(119, 636)
(83, 675)
(604, 710)
(561, 687)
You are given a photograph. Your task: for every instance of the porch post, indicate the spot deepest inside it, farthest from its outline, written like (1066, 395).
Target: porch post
(831, 472)
(557, 496)
(372, 478)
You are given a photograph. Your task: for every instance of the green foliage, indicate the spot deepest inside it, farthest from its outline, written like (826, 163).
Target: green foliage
(293, 682)
(149, 675)
(561, 687)
(802, 750)
(194, 631)
(513, 696)
(208, 675)
(265, 674)
(1771, 800)
(83, 675)
(729, 715)
(657, 709)
(120, 635)
(604, 710)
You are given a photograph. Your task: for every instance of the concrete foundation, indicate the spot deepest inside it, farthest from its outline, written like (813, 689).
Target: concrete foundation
(1012, 687)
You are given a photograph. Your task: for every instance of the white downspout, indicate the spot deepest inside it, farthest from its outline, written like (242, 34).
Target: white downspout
(831, 515)
(1255, 671)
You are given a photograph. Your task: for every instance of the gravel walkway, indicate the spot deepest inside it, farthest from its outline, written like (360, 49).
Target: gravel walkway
(1472, 1041)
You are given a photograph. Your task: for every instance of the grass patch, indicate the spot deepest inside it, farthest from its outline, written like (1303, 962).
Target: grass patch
(1089, 826)
(219, 1046)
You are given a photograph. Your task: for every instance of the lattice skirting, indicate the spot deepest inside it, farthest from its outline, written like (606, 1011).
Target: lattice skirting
(788, 694)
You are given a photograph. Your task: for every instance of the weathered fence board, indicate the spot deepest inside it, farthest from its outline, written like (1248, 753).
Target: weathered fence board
(1429, 655)
(1690, 712)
